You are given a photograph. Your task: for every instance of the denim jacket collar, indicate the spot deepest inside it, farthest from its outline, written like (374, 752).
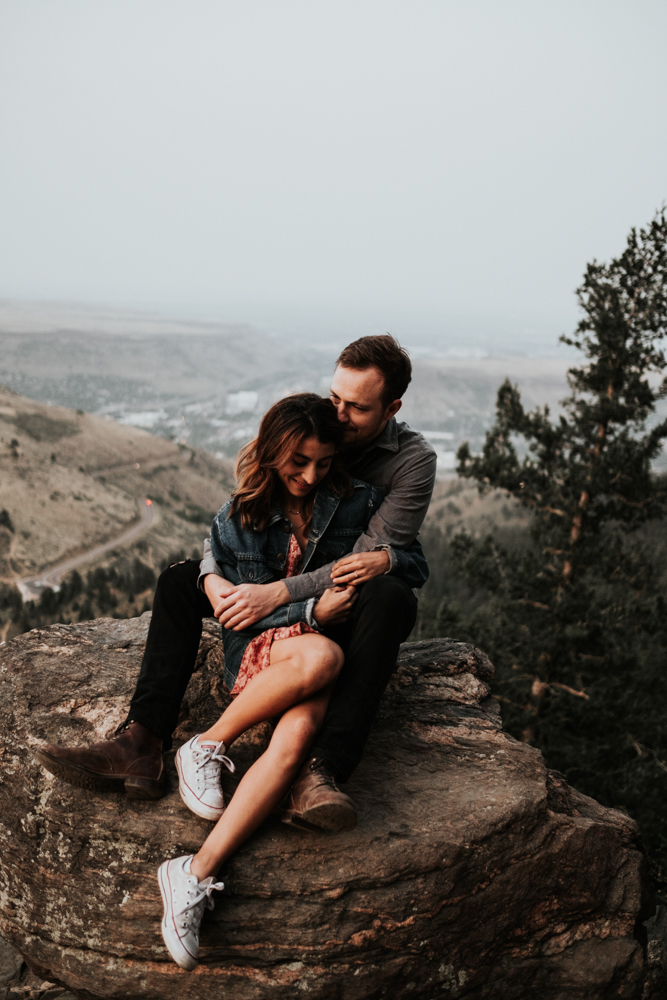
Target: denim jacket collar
(324, 508)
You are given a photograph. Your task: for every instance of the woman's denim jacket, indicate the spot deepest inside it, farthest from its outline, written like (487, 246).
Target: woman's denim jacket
(259, 557)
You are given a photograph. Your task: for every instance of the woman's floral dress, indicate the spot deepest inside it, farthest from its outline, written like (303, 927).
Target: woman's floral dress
(258, 652)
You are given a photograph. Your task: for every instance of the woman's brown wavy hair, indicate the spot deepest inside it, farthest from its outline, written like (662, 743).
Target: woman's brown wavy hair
(283, 426)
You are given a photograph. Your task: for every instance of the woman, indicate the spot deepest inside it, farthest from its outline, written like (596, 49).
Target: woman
(294, 508)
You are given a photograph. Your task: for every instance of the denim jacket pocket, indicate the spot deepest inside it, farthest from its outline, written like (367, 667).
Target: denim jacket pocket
(251, 569)
(331, 549)
(338, 542)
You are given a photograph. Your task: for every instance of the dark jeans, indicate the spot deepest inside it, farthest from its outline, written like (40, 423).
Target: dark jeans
(381, 619)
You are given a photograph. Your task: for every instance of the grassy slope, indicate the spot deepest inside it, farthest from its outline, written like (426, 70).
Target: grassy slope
(60, 504)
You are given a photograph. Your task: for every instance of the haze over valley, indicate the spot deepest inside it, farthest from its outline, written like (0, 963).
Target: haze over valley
(207, 384)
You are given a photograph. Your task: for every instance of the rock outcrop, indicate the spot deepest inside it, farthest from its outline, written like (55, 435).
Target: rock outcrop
(18, 982)
(474, 872)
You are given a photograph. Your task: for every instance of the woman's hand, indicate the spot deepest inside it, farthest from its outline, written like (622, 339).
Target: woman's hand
(334, 605)
(216, 589)
(360, 567)
(247, 603)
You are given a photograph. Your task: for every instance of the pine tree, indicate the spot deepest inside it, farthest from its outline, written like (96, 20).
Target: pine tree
(576, 619)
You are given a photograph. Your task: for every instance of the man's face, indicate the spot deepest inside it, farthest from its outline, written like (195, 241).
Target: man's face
(357, 396)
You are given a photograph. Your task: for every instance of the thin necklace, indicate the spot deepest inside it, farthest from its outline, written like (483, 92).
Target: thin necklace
(290, 511)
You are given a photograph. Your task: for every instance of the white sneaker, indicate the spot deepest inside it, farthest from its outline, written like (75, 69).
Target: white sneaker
(184, 901)
(198, 766)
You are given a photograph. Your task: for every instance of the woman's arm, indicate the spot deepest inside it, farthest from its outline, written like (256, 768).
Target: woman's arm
(230, 598)
(333, 607)
(239, 619)
(253, 601)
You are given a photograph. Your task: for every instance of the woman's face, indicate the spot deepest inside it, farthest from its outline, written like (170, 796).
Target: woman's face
(306, 467)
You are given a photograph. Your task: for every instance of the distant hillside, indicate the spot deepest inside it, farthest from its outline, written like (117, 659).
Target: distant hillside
(182, 379)
(70, 480)
(140, 368)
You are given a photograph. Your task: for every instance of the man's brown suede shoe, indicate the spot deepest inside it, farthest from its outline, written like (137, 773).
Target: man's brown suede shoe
(316, 801)
(131, 761)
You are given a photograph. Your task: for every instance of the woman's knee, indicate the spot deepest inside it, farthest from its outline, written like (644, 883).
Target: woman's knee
(322, 664)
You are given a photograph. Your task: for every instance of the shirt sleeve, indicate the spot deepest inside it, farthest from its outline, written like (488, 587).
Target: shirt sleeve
(397, 521)
(307, 585)
(207, 565)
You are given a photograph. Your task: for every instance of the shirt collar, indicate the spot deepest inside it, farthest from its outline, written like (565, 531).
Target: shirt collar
(387, 439)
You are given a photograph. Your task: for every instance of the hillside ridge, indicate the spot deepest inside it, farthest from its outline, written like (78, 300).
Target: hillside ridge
(70, 481)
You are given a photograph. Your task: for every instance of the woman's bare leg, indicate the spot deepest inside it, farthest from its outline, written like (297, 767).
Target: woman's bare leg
(264, 784)
(305, 665)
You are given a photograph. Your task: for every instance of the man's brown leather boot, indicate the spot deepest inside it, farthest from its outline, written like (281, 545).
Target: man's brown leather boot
(131, 761)
(316, 801)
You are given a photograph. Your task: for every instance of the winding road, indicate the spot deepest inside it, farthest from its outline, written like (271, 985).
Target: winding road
(145, 464)
(31, 587)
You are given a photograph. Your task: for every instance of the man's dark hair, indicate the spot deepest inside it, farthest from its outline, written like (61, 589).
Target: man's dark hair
(385, 354)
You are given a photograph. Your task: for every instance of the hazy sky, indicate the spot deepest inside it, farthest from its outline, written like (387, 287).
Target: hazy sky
(424, 164)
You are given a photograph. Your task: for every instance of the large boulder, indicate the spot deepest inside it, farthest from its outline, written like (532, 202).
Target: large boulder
(474, 871)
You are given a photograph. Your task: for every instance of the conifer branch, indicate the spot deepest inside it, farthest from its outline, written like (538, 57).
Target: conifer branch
(570, 690)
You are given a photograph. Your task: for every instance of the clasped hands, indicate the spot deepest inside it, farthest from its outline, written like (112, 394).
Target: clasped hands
(239, 607)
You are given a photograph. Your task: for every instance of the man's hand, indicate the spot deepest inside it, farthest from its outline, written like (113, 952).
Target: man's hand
(246, 604)
(334, 605)
(360, 567)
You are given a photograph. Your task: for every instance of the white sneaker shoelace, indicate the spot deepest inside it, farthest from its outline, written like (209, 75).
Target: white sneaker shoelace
(198, 896)
(207, 761)
(184, 899)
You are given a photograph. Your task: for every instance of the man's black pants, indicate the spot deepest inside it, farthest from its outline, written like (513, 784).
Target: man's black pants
(382, 618)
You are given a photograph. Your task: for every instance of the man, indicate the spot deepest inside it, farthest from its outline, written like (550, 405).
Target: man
(370, 379)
